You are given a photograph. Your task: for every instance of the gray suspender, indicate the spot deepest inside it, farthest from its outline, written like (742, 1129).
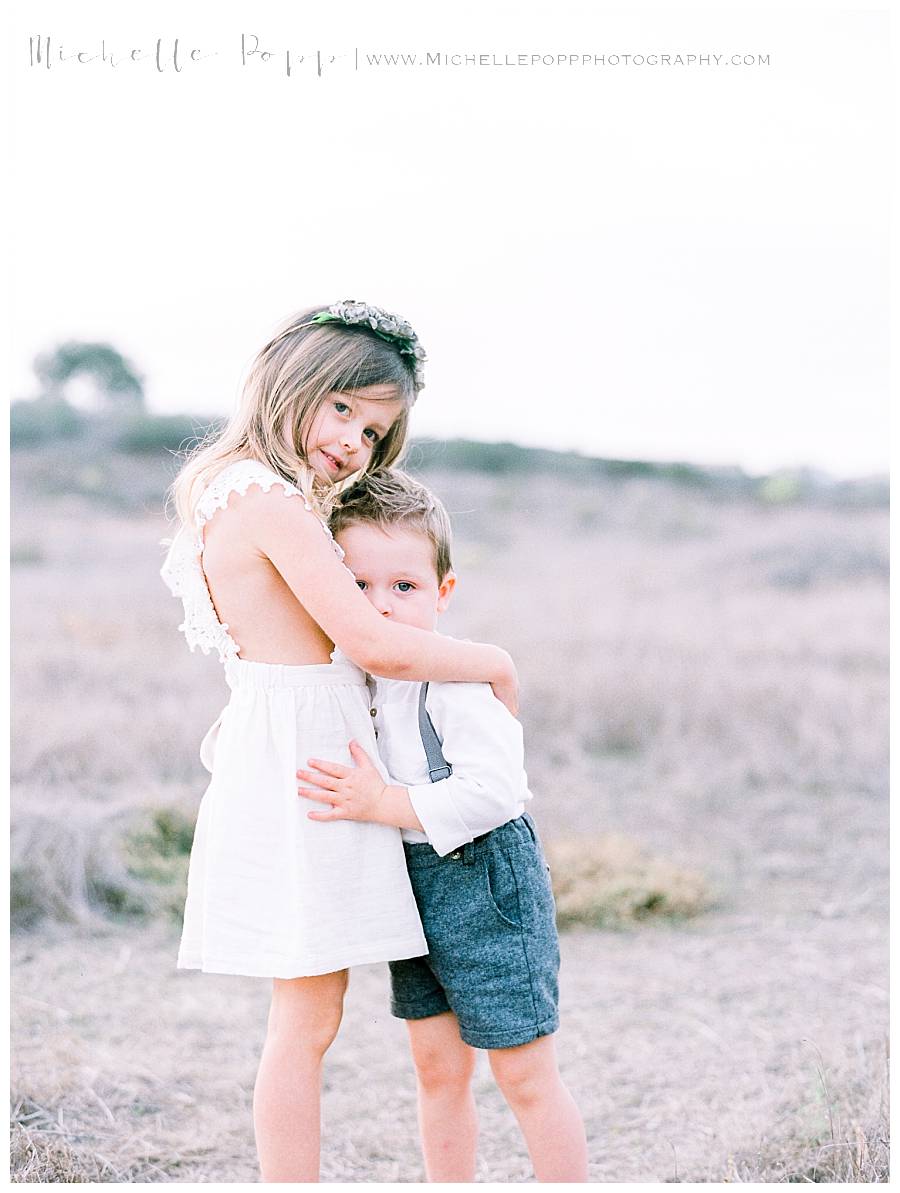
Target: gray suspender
(438, 766)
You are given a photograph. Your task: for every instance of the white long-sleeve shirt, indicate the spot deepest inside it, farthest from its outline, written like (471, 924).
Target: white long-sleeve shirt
(480, 739)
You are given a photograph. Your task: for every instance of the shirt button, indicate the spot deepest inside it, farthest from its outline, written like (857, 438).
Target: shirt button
(456, 855)
(373, 712)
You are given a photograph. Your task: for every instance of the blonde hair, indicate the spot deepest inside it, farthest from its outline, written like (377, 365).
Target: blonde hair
(390, 497)
(285, 388)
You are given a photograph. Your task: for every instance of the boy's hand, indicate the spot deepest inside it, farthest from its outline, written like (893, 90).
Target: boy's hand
(354, 792)
(357, 792)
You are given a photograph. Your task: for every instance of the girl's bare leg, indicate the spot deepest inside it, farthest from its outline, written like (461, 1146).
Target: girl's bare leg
(529, 1079)
(303, 1020)
(448, 1122)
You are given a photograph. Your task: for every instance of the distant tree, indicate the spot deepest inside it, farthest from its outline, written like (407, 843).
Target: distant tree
(119, 385)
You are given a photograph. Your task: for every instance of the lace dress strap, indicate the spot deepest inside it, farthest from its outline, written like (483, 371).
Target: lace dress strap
(183, 569)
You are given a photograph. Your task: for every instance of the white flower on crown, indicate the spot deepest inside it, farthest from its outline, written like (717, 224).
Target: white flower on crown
(389, 327)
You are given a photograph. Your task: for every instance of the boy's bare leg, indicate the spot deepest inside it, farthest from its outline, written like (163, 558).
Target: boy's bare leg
(448, 1122)
(529, 1079)
(303, 1020)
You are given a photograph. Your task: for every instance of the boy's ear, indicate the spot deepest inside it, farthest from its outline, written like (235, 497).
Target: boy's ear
(444, 590)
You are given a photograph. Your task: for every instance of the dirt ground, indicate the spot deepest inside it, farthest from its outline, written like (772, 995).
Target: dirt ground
(690, 1055)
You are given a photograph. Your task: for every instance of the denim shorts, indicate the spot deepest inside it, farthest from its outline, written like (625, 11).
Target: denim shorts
(493, 954)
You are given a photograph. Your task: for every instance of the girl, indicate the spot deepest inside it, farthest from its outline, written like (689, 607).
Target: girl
(271, 892)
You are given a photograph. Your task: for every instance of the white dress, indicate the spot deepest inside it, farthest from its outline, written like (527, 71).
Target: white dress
(272, 893)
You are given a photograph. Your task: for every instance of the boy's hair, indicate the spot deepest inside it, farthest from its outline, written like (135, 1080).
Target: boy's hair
(288, 383)
(390, 497)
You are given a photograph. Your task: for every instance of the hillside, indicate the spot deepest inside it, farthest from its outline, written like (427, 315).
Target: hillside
(703, 662)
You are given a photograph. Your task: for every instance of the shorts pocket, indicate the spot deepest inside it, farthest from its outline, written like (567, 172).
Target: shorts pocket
(501, 888)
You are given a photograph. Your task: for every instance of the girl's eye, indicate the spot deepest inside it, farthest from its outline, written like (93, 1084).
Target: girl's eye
(404, 586)
(361, 584)
(371, 435)
(342, 407)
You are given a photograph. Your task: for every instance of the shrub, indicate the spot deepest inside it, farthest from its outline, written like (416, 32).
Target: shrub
(25, 554)
(496, 458)
(41, 420)
(147, 433)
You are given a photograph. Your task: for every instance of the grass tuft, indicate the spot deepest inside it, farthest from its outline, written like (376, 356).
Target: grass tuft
(854, 1150)
(95, 861)
(158, 850)
(861, 1157)
(37, 1157)
(612, 882)
(58, 1145)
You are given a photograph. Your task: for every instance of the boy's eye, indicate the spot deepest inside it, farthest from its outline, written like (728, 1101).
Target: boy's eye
(404, 586)
(361, 584)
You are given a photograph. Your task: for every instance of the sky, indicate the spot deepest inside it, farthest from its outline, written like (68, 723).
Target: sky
(677, 260)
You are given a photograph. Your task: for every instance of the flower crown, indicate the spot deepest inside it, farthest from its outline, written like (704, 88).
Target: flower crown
(390, 328)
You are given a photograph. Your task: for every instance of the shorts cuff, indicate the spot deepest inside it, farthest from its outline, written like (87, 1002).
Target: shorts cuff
(423, 1008)
(509, 1039)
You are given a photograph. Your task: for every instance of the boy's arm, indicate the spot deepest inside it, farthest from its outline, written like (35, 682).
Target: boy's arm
(483, 744)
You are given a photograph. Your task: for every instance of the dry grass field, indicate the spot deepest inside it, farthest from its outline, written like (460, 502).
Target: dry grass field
(704, 694)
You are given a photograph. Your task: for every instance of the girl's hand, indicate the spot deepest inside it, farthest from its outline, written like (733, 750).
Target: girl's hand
(506, 686)
(354, 792)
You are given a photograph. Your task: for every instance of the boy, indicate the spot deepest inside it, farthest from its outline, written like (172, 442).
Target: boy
(481, 883)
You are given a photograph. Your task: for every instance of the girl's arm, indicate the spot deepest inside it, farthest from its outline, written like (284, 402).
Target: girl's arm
(284, 531)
